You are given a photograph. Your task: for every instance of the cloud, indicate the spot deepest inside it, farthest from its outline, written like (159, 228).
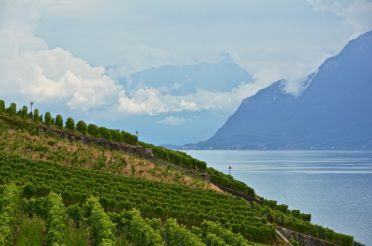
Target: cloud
(355, 13)
(29, 69)
(172, 120)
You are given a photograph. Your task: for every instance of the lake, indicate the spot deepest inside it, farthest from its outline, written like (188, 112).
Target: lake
(335, 187)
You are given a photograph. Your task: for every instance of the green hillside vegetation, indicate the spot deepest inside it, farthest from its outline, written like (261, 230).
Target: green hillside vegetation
(59, 190)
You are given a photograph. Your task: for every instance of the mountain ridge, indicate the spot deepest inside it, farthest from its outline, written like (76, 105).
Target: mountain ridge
(328, 114)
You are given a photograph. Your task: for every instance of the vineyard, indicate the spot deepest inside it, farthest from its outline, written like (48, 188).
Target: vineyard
(62, 191)
(191, 207)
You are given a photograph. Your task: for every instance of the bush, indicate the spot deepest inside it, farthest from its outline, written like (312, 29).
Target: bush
(36, 115)
(24, 112)
(93, 130)
(2, 106)
(105, 133)
(138, 230)
(56, 220)
(12, 110)
(102, 228)
(11, 208)
(224, 234)
(175, 234)
(70, 124)
(81, 126)
(59, 121)
(48, 118)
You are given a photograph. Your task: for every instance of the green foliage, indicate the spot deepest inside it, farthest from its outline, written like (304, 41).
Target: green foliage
(48, 118)
(2, 106)
(230, 238)
(176, 157)
(294, 242)
(175, 234)
(228, 181)
(31, 232)
(103, 229)
(93, 130)
(138, 231)
(105, 133)
(36, 115)
(12, 110)
(24, 112)
(81, 127)
(70, 124)
(75, 212)
(10, 211)
(128, 138)
(56, 220)
(189, 206)
(59, 121)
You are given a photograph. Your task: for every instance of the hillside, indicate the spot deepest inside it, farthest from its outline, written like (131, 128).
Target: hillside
(79, 184)
(331, 113)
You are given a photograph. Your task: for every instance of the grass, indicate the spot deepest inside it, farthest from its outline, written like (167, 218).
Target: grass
(76, 236)
(31, 232)
(122, 240)
(88, 156)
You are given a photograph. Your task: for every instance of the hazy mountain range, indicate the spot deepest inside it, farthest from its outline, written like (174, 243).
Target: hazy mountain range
(333, 112)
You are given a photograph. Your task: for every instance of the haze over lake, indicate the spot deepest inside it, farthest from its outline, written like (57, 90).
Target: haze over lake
(334, 186)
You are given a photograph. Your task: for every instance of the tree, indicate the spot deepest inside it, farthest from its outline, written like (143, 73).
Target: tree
(24, 112)
(81, 126)
(105, 133)
(59, 121)
(12, 110)
(2, 106)
(93, 130)
(36, 115)
(70, 124)
(48, 118)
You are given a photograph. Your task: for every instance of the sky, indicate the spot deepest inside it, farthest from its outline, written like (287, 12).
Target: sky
(77, 56)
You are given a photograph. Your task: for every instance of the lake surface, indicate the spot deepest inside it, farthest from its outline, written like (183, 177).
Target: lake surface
(335, 187)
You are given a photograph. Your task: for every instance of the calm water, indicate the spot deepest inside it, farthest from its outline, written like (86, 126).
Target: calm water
(334, 186)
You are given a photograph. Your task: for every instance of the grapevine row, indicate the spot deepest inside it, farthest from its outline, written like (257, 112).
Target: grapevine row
(10, 205)
(189, 206)
(55, 220)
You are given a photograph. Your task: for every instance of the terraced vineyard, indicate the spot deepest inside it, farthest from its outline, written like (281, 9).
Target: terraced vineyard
(53, 192)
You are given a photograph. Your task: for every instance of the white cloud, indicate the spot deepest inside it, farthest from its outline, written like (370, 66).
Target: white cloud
(355, 13)
(33, 71)
(172, 120)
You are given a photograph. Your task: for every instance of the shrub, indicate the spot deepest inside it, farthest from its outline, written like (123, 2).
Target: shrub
(48, 118)
(175, 234)
(81, 126)
(105, 133)
(103, 229)
(93, 130)
(10, 210)
(12, 110)
(59, 121)
(24, 112)
(70, 124)
(36, 115)
(138, 230)
(2, 106)
(56, 220)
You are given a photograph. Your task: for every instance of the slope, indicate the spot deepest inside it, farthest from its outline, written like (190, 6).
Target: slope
(331, 113)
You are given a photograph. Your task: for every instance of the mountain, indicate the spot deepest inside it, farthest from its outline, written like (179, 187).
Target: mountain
(332, 112)
(186, 82)
(222, 75)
